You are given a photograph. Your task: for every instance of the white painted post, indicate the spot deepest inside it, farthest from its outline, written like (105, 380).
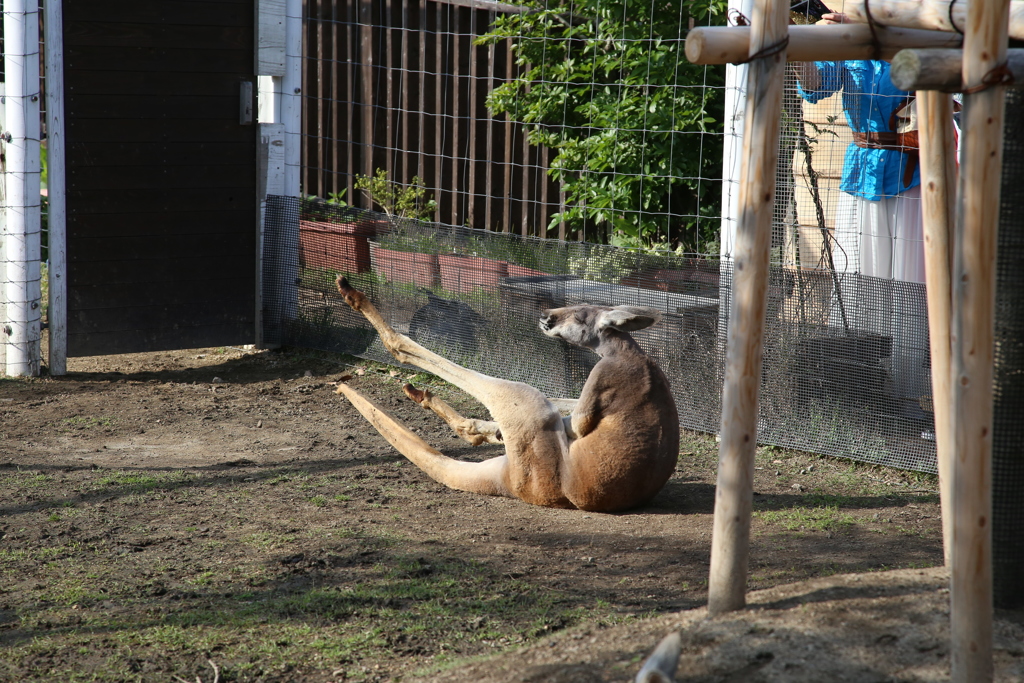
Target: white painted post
(291, 101)
(57, 313)
(21, 327)
(279, 113)
(3, 231)
(985, 42)
(730, 541)
(732, 155)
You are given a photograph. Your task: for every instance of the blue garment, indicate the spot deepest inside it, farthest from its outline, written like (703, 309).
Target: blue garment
(869, 99)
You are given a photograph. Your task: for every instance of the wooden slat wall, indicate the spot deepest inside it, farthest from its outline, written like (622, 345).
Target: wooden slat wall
(400, 85)
(161, 175)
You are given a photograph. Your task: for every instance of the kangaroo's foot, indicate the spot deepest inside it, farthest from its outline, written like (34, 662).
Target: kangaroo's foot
(476, 432)
(487, 477)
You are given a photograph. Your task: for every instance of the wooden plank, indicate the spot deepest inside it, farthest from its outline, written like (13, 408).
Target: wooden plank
(730, 541)
(154, 107)
(366, 74)
(421, 157)
(334, 120)
(506, 209)
(117, 59)
(270, 37)
(146, 248)
(117, 274)
(489, 131)
(163, 13)
(404, 87)
(142, 131)
(148, 153)
(206, 222)
(129, 341)
(439, 109)
(387, 21)
(350, 106)
(126, 318)
(938, 207)
(457, 159)
(151, 293)
(145, 202)
(471, 155)
(168, 177)
(100, 34)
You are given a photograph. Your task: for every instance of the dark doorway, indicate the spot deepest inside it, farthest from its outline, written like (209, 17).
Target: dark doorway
(161, 175)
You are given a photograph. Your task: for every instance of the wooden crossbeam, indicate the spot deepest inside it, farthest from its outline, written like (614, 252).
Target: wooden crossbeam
(934, 15)
(731, 44)
(942, 69)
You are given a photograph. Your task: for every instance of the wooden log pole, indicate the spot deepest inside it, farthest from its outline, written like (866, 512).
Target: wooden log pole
(730, 542)
(942, 69)
(938, 205)
(731, 44)
(985, 44)
(933, 15)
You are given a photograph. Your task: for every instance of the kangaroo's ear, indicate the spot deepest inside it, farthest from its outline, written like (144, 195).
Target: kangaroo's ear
(628, 318)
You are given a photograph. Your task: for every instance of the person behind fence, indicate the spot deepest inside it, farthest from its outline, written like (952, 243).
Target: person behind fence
(878, 222)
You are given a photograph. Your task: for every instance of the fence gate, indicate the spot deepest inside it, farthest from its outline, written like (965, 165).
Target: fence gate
(161, 179)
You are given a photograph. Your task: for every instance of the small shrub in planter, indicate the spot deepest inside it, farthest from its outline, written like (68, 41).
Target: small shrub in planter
(405, 256)
(462, 273)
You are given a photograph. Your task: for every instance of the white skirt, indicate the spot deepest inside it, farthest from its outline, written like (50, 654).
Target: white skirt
(879, 255)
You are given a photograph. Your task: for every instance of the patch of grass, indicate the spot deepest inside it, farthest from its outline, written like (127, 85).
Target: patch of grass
(134, 481)
(83, 421)
(818, 518)
(265, 540)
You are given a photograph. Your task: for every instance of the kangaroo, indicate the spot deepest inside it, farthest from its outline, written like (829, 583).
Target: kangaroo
(614, 451)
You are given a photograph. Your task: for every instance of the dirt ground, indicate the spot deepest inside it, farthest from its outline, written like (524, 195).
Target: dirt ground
(164, 513)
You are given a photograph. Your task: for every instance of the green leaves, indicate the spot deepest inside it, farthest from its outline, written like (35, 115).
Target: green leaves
(605, 84)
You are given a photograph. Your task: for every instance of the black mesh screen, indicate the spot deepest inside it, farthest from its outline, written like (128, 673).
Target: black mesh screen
(840, 375)
(1008, 433)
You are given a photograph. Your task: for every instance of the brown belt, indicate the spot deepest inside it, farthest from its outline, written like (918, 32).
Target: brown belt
(896, 142)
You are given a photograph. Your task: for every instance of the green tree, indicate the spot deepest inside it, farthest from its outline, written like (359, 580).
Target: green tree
(605, 84)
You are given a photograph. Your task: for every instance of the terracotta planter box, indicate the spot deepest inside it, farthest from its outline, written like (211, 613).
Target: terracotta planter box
(404, 266)
(515, 270)
(463, 274)
(337, 246)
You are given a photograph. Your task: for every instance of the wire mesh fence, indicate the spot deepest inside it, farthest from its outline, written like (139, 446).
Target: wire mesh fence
(475, 297)
(585, 121)
(536, 119)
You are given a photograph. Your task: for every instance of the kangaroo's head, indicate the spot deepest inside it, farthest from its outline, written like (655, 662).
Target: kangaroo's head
(590, 326)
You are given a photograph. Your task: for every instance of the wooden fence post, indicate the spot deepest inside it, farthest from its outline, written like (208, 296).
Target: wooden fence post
(938, 204)
(985, 42)
(730, 540)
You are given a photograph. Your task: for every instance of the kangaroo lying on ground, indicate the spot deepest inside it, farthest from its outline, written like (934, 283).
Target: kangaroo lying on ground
(615, 451)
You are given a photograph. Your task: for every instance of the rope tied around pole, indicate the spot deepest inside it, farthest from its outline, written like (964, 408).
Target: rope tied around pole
(1000, 75)
(876, 44)
(767, 51)
(952, 23)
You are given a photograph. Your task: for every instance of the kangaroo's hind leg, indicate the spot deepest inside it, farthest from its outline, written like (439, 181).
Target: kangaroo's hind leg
(487, 477)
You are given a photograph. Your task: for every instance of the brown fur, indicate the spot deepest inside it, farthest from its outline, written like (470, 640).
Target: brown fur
(615, 451)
